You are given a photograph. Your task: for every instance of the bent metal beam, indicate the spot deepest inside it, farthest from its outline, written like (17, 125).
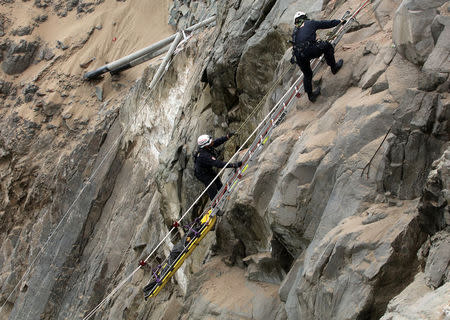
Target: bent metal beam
(113, 66)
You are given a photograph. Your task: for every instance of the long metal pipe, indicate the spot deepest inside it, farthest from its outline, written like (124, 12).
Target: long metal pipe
(140, 60)
(156, 46)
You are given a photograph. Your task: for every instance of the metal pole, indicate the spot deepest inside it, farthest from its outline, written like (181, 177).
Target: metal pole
(166, 60)
(140, 60)
(154, 47)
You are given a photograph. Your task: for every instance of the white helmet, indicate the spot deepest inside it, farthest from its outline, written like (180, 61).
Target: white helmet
(300, 14)
(204, 140)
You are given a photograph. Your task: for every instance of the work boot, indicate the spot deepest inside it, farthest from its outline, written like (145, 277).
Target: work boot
(337, 66)
(313, 95)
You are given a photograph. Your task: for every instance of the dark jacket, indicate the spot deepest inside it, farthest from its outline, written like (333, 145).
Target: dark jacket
(183, 243)
(307, 32)
(206, 159)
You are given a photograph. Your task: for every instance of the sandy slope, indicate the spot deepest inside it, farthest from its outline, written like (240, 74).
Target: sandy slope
(132, 24)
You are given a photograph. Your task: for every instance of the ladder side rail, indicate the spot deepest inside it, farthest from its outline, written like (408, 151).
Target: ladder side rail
(275, 110)
(251, 152)
(265, 132)
(274, 115)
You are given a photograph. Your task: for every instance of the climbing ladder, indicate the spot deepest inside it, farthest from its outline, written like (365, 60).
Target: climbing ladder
(274, 118)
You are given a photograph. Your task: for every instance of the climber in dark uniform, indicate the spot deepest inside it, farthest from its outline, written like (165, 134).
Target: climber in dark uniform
(306, 47)
(206, 159)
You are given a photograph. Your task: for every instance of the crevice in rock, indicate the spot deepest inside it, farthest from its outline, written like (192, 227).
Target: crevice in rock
(433, 203)
(281, 254)
(97, 206)
(414, 147)
(98, 288)
(265, 12)
(68, 274)
(251, 25)
(204, 77)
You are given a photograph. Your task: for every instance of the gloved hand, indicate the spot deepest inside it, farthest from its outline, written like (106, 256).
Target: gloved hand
(230, 134)
(238, 164)
(293, 60)
(343, 21)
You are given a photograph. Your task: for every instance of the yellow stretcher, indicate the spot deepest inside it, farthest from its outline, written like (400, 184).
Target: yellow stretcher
(207, 222)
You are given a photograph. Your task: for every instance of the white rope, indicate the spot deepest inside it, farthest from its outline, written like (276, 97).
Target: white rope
(29, 267)
(62, 219)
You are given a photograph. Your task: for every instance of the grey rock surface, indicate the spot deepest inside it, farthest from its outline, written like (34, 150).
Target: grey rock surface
(41, 18)
(29, 91)
(430, 81)
(45, 53)
(5, 87)
(385, 11)
(405, 174)
(380, 85)
(183, 14)
(438, 25)
(22, 31)
(438, 60)
(347, 289)
(3, 23)
(19, 56)
(242, 299)
(434, 209)
(437, 269)
(377, 67)
(99, 93)
(418, 301)
(412, 29)
(401, 75)
(48, 280)
(263, 268)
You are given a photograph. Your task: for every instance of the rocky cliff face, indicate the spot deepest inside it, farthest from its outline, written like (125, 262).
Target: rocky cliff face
(321, 227)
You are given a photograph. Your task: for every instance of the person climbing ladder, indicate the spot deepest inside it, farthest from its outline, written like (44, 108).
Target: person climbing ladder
(306, 47)
(206, 159)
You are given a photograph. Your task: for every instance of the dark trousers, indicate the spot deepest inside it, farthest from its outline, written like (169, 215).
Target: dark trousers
(311, 52)
(214, 188)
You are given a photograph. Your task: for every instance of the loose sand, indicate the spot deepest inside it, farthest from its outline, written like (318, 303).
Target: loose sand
(122, 28)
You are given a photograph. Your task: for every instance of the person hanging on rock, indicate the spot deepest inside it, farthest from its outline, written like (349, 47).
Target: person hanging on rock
(306, 47)
(206, 159)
